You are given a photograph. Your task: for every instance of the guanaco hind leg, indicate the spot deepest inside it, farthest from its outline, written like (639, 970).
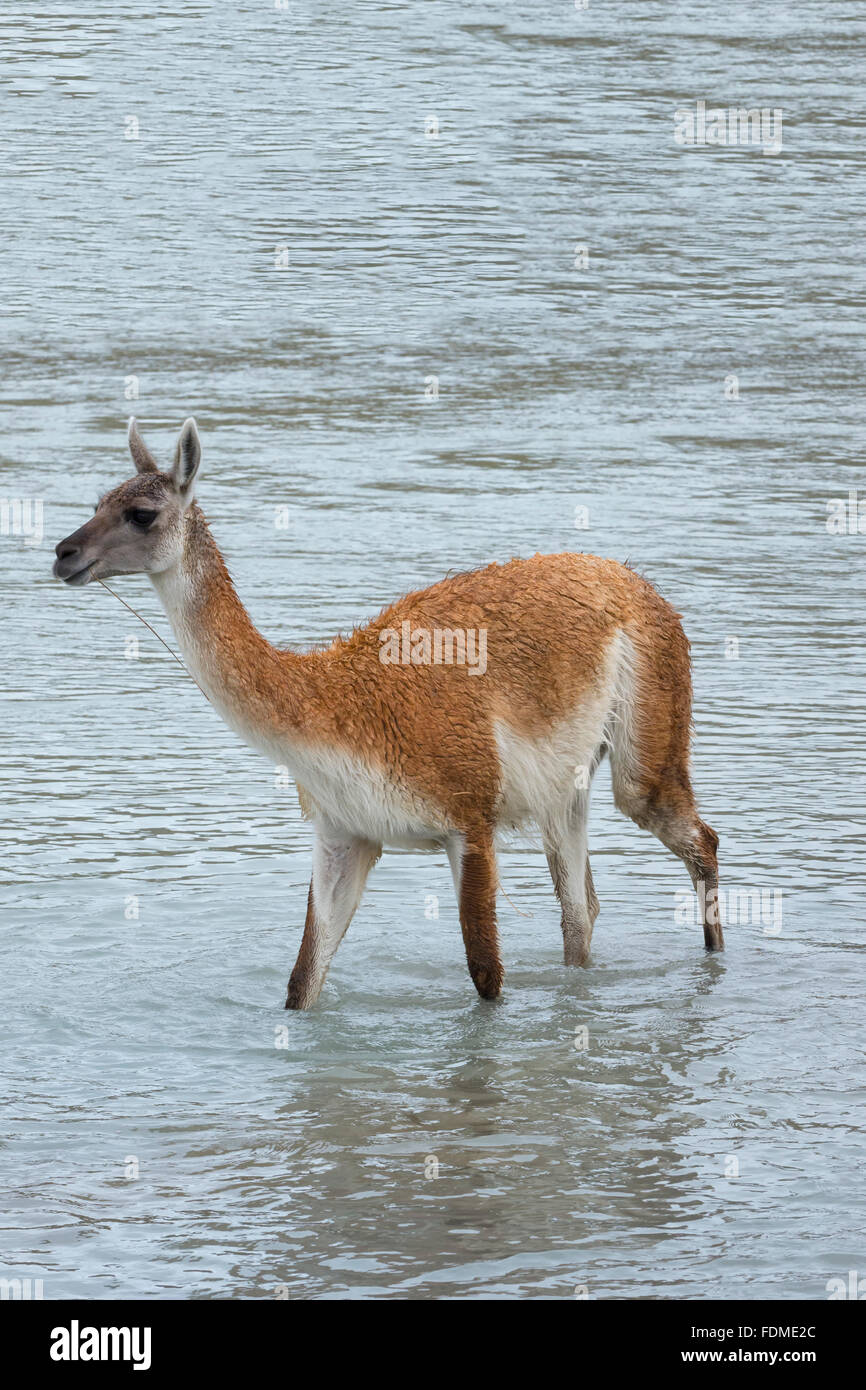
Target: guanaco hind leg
(664, 804)
(568, 861)
(591, 895)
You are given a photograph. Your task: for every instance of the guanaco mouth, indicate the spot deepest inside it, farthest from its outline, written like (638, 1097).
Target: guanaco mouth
(78, 577)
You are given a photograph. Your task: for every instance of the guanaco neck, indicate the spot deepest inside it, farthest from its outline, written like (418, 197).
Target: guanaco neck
(267, 694)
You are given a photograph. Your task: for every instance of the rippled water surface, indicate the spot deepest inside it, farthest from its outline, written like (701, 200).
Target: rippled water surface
(161, 1136)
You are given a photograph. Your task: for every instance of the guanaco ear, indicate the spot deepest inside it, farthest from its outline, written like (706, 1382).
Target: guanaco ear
(141, 455)
(187, 457)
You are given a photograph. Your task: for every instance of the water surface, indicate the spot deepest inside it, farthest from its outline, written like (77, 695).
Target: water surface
(288, 252)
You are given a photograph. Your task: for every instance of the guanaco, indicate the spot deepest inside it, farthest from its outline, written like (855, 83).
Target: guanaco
(583, 658)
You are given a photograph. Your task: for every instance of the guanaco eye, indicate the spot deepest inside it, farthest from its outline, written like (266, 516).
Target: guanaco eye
(141, 516)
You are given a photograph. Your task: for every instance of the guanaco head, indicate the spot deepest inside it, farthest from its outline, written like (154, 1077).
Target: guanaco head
(138, 527)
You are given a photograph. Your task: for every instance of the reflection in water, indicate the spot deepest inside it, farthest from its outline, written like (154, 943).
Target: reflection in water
(401, 365)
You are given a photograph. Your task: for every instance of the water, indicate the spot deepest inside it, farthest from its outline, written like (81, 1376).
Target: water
(158, 1140)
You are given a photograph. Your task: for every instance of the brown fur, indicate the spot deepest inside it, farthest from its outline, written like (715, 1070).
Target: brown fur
(432, 727)
(478, 915)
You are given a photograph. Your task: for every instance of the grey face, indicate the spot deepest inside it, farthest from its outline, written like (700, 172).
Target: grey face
(138, 527)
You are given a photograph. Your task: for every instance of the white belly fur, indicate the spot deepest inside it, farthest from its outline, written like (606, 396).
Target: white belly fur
(541, 777)
(537, 775)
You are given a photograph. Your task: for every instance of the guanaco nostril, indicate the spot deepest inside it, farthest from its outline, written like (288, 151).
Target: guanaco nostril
(65, 551)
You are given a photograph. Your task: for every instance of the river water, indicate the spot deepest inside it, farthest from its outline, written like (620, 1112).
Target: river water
(440, 286)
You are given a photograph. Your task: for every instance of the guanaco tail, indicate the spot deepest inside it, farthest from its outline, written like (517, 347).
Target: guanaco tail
(483, 703)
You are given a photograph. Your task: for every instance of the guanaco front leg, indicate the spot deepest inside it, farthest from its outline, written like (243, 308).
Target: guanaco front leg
(473, 864)
(341, 864)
